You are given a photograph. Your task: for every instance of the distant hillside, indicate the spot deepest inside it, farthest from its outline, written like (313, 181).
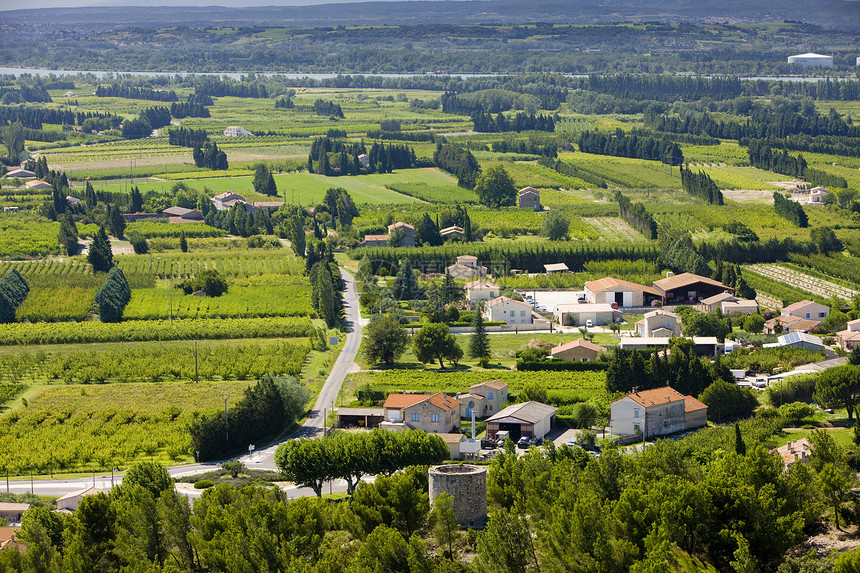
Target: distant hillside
(834, 14)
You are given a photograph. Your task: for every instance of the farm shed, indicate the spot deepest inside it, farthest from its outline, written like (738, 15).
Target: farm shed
(556, 268)
(530, 419)
(359, 417)
(688, 288)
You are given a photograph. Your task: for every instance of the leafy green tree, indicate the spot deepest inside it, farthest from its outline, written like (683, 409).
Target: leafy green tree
(825, 240)
(328, 301)
(727, 401)
(100, 255)
(151, 476)
(427, 232)
(507, 545)
(113, 296)
(495, 188)
(395, 237)
(298, 239)
(839, 387)
(386, 339)
(435, 342)
(306, 462)
(847, 562)
(705, 324)
(444, 523)
(834, 485)
(854, 356)
(532, 391)
(754, 323)
(555, 225)
(233, 467)
(91, 545)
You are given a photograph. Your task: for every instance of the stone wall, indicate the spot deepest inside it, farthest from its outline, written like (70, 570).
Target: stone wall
(467, 485)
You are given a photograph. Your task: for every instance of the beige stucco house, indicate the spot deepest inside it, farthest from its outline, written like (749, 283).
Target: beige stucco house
(481, 289)
(658, 323)
(849, 338)
(485, 399)
(808, 310)
(467, 267)
(508, 310)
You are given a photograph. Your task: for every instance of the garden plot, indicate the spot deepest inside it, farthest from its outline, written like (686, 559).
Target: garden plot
(614, 229)
(797, 279)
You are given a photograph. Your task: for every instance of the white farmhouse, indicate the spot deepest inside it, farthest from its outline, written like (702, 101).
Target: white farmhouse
(236, 131)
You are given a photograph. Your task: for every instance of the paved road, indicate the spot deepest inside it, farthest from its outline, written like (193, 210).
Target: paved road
(313, 426)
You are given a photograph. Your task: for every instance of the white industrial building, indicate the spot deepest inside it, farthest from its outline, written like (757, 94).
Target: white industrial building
(811, 60)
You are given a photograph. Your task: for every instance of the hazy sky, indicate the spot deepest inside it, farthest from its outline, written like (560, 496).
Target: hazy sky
(29, 4)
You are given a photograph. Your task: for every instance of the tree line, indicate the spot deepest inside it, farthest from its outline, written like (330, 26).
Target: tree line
(187, 137)
(209, 156)
(350, 456)
(636, 214)
(699, 184)
(327, 108)
(486, 123)
(331, 157)
(135, 92)
(789, 210)
(188, 109)
(620, 144)
(780, 161)
(459, 162)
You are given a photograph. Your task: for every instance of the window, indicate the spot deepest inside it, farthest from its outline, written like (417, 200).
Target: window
(822, 314)
(636, 429)
(636, 413)
(434, 418)
(514, 313)
(416, 417)
(807, 315)
(490, 396)
(493, 294)
(522, 313)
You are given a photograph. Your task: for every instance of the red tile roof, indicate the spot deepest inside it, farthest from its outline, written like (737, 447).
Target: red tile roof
(691, 404)
(656, 396)
(578, 343)
(444, 401)
(399, 401)
(609, 282)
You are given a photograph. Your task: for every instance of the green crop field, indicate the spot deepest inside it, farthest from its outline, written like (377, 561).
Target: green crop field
(567, 387)
(108, 426)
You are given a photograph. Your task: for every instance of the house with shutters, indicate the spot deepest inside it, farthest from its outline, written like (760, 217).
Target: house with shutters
(433, 413)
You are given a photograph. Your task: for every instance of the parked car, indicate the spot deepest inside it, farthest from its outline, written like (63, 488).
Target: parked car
(488, 444)
(581, 300)
(571, 443)
(523, 443)
(589, 323)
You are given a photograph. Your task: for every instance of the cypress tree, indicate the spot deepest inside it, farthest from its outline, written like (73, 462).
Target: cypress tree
(100, 255)
(740, 446)
(183, 243)
(116, 223)
(479, 344)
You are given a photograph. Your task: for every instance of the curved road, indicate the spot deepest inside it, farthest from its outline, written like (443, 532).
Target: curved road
(260, 459)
